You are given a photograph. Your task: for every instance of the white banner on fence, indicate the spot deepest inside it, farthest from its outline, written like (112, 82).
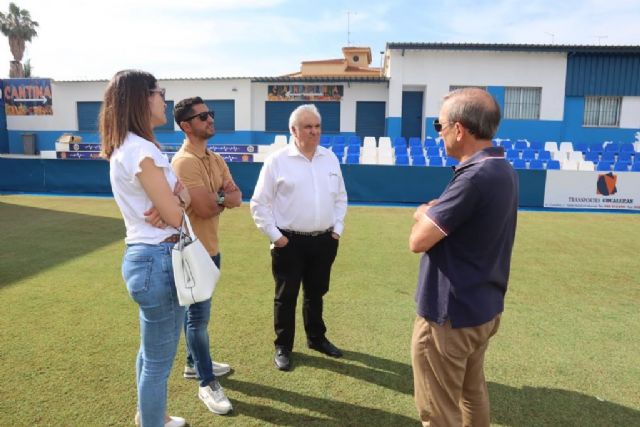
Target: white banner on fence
(592, 190)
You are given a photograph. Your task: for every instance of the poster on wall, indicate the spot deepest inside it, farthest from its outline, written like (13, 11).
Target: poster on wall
(298, 92)
(592, 190)
(27, 97)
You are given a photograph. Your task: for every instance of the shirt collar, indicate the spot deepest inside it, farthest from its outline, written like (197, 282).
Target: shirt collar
(293, 151)
(189, 149)
(481, 156)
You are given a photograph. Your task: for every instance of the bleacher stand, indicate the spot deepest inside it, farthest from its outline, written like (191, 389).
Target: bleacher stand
(586, 165)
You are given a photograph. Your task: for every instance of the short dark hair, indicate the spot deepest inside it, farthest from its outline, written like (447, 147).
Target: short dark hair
(183, 109)
(476, 110)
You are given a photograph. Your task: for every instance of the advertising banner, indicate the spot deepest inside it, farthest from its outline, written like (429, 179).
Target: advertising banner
(297, 92)
(27, 97)
(592, 190)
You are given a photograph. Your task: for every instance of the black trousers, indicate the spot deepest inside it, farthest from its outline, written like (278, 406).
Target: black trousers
(306, 260)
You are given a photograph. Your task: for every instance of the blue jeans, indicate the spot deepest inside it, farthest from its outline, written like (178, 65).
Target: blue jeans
(196, 322)
(148, 274)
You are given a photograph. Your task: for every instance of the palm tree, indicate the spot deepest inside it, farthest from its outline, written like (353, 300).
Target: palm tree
(19, 28)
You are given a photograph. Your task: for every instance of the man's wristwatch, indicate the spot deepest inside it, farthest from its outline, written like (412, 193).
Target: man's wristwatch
(220, 199)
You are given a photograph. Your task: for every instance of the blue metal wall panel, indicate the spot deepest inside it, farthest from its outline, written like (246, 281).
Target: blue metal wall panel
(411, 114)
(277, 115)
(88, 115)
(370, 118)
(225, 110)
(603, 75)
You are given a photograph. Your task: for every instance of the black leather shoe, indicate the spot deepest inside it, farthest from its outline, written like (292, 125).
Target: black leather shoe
(326, 347)
(282, 359)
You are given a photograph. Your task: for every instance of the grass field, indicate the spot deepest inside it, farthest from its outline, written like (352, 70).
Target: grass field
(567, 353)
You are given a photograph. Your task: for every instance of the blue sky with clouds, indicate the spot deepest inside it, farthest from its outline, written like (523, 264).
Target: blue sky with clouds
(81, 39)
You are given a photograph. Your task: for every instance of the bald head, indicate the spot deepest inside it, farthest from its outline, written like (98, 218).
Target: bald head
(475, 109)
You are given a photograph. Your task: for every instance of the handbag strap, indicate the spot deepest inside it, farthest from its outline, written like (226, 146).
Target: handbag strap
(186, 224)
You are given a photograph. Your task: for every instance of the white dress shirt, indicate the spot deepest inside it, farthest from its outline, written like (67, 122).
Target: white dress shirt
(295, 193)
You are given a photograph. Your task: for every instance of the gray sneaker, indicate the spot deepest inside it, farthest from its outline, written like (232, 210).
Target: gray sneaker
(214, 398)
(219, 370)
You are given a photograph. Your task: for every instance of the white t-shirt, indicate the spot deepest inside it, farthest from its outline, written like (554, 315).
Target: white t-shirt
(129, 193)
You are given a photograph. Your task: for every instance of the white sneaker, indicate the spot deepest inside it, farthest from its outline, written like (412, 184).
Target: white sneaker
(214, 398)
(173, 421)
(219, 369)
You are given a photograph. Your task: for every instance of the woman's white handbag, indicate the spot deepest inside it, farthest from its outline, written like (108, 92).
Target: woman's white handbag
(194, 271)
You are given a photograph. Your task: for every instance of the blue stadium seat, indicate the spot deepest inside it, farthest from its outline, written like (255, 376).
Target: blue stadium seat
(513, 155)
(614, 147)
(621, 166)
(337, 140)
(435, 161)
(507, 145)
(536, 145)
(402, 160)
(325, 141)
(625, 156)
(521, 144)
(354, 140)
(529, 154)
(627, 147)
(415, 142)
(429, 142)
(544, 155)
(519, 164)
(419, 161)
(553, 165)
(338, 150)
(635, 167)
(592, 156)
(596, 148)
(536, 164)
(609, 156)
(416, 151)
(433, 151)
(400, 150)
(353, 149)
(399, 141)
(580, 146)
(604, 165)
(352, 159)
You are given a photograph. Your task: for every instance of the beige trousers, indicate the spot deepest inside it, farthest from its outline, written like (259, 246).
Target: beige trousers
(448, 373)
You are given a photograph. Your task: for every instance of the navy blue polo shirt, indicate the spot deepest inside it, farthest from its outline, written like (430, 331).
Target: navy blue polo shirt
(463, 278)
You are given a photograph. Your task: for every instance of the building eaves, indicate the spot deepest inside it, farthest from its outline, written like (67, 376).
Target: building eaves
(516, 47)
(319, 79)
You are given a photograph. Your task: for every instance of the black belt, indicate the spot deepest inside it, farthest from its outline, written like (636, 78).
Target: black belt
(307, 233)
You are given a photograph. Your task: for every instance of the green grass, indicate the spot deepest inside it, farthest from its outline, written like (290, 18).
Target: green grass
(566, 353)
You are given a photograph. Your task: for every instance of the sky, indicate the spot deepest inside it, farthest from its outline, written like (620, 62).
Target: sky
(91, 40)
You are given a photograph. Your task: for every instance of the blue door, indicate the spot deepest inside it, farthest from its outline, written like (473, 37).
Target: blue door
(370, 118)
(411, 114)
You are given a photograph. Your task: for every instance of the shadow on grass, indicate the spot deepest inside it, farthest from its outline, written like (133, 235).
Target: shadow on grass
(382, 372)
(335, 413)
(36, 239)
(539, 406)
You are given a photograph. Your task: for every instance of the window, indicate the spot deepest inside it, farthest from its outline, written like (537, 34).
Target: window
(88, 115)
(602, 111)
(522, 102)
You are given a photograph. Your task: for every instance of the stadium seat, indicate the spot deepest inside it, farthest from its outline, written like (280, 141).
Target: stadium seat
(433, 151)
(429, 142)
(337, 140)
(415, 142)
(419, 161)
(604, 165)
(569, 165)
(544, 155)
(353, 149)
(338, 150)
(596, 148)
(528, 154)
(507, 145)
(536, 145)
(627, 147)
(435, 161)
(400, 150)
(512, 155)
(625, 156)
(609, 156)
(521, 144)
(416, 151)
(586, 165)
(592, 156)
(575, 156)
(354, 140)
(635, 167)
(621, 166)
(612, 147)
(519, 164)
(402, 160)
(399, 141)
(352, 159)
(536, 164)
(551, 146)
(580, 146)
(384, 142)
(553, 165)
(325, 141)
(369, 142)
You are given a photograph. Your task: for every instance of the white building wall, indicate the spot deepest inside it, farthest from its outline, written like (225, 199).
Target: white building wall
(630, 112)
(438, 69)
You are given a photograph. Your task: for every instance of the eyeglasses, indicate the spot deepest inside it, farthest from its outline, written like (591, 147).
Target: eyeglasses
(162, 91)
(202, 116)
(439, 126)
